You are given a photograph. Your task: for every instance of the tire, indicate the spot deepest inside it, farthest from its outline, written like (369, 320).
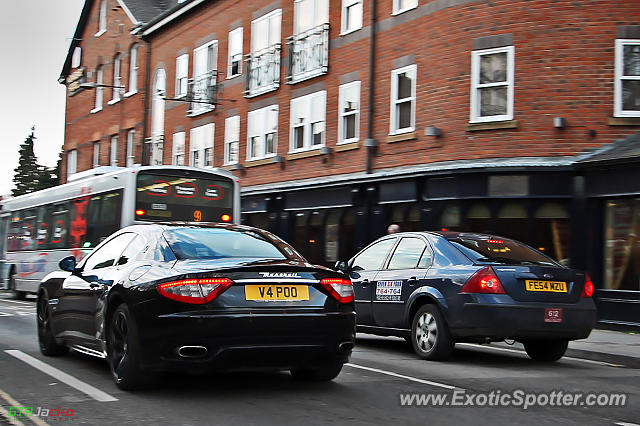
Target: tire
(430, 336)
(18, 295)
(123, 351)
(546, 350)
(46, 338)
(323, 373)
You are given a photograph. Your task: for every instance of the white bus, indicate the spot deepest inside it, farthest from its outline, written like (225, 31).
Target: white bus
(40, 228)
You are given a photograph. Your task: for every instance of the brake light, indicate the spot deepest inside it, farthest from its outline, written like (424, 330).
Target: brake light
(225, 218)
(196, 291)
(483, 281)
(340, 288)
(587, 291)
(495, 242)
(140, 212)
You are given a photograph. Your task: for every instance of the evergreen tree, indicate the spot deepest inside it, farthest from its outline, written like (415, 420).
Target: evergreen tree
(29, 175)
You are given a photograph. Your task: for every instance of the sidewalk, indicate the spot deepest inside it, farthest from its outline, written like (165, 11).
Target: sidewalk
(602, 345)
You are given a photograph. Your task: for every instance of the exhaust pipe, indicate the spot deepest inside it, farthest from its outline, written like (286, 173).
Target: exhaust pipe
(192, 351)
(345, 347)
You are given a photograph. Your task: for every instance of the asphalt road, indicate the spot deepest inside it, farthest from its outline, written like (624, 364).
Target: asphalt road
(368, 391)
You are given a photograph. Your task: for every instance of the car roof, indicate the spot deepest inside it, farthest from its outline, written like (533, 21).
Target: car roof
(449, 235)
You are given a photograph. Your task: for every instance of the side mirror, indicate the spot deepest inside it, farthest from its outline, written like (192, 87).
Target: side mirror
(342, 266)
(68, 264)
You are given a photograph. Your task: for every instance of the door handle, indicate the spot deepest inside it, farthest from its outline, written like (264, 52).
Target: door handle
(412, 281)
(94, 285)
(365, 282)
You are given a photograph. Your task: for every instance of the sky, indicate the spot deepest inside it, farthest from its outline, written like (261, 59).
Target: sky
(34, 36)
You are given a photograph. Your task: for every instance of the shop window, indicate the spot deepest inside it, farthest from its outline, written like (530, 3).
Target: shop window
(478, 219)
(414, 221)
(512, 222)
(347, 235)
(331, 235)
(552, 231)
(451, 218)
(622, 245)
(315, 238)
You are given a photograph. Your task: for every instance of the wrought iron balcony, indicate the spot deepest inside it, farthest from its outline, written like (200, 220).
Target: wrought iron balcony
(308, 54)
(262, 71)
(202, 93)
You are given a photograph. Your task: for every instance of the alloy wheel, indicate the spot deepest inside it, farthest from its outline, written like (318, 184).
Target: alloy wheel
(426, 332)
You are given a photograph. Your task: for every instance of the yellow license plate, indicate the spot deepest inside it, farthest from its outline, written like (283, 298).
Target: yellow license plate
(276, 292)
(546, 286)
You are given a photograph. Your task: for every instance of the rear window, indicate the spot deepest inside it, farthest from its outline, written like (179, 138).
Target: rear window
(218, 243)
(500, 250)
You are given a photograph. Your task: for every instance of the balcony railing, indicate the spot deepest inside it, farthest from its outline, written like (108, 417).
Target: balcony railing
(262, 71)
(202, 93)
(308, 54)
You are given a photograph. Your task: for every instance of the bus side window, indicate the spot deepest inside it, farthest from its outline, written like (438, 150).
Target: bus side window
(59, 226)
(78, 228)
(42, 228)
(28, 231)
(14, 232)
(3, 232)
(104, 216)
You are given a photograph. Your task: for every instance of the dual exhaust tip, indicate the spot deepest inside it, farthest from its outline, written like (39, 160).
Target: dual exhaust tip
(201, 351)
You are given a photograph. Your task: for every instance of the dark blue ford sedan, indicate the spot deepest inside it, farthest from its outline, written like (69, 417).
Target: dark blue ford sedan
(438, 288)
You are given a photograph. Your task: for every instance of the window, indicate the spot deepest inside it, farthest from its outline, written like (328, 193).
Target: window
(262, 132)
(627, 84)
(105, 211)
(349, 112)
(308, 48)
(72, 162)
(235, 53)
(403, 100)
(308, 121)
(492, 72)
(232, 140)
(157, 117)
(113, 151)
(106, 256)
(99, 82)
(308, 14)
(182, 74)
(102, 18)
(265, 31)
(205, 59)
(117, 80)
(178, 148)
(407, 254)
(201, 145)
(134, 248)
(131, 134)
(96, 154)
(133, 70)
(76, 59)
(263, 64)
(372, 257)
(351, 15)
(400, 6)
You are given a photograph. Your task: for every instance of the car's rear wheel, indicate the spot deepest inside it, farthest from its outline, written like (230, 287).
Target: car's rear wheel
(430, 336)
(123, 349)
(322, 373)
(19, 295)
(46, 338)
(546, 350)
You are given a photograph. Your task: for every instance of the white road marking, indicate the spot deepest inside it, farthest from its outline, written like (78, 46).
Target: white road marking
(402, 376)
(590, 361)
(13, 403)
(11, 419)
(17, 301)
(68, 379)
(627, 424)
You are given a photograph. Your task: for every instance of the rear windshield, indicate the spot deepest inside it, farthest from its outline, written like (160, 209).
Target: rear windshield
(500, 250)
(217, 243)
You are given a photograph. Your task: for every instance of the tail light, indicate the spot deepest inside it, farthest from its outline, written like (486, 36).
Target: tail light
(196, 291)
(483, 281)
(340, 288)
(587, 291)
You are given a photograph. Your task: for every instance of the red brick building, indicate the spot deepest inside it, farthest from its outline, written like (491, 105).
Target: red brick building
(342, 116)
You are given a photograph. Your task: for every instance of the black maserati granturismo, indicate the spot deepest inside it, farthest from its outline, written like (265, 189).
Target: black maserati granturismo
(187, 297)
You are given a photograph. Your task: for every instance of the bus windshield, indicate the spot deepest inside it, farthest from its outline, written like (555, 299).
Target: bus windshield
(192, 198)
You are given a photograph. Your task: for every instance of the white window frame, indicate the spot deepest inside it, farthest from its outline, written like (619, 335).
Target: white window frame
(182, 77)
(117, 80)
(113, 151)
(341, 115)
(345, 5)
(99, 90)
(619, 68)
(233, 52)
(133, 71)
(475, 86)
(76, 59)
(307, 103)
(72, 162)
(200, 108)
(413, 71)
(317, 18)
(257, 122)
(200, 146)
(102, 19)
(96, 154)
(179, 140)
(131, 134)
(229, 138)
(397, 10)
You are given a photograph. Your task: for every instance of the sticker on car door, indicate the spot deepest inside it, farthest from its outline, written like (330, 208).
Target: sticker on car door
(389, 291)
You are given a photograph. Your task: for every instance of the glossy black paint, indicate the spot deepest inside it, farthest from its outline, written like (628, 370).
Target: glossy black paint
(517, 315)
(238, 334)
